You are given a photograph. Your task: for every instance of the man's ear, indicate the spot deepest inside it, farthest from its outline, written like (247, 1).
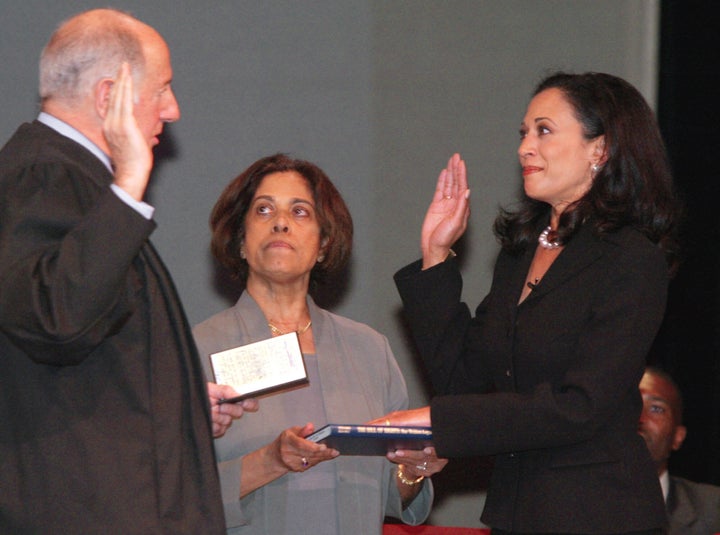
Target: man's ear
(102, 96)
(679, 437)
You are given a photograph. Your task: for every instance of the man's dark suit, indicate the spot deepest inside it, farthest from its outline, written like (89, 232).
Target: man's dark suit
(105, 422)
(565, 365)
(693, 508)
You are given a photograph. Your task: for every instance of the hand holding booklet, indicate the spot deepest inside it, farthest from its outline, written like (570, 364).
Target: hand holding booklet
(260, 367)
(372, 439)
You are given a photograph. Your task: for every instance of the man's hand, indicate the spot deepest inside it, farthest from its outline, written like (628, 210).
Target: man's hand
(130, 153)
(223, 414)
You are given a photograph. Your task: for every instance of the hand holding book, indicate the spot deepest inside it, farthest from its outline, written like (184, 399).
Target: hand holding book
(419, 417)
(413, 464)
(223, 414)
(289, 452)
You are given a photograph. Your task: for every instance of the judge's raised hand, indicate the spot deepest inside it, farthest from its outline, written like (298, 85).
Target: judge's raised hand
(130, 152)
(223, 414)
(447, 216)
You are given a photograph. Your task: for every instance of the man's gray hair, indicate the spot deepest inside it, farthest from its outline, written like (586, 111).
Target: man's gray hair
(85, 49)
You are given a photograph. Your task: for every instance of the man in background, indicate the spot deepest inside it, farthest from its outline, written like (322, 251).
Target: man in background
(693, 508)
(106, 426)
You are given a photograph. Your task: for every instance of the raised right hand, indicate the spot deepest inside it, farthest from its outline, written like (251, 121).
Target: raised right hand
(129, 150)
(447, 216)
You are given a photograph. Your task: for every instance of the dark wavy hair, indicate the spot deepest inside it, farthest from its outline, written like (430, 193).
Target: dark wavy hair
(634, 186)
(227, 219)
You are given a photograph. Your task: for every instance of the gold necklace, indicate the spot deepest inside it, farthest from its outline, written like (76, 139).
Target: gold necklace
(277, 331)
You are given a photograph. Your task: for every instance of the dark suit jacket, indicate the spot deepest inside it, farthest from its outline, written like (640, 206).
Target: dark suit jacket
(105, 422)
(693, 508)
(564, 367)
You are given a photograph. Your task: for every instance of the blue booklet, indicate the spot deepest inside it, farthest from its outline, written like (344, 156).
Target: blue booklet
(372, 439)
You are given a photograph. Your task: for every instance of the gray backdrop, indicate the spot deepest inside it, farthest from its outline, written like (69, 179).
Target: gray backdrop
(378, 93)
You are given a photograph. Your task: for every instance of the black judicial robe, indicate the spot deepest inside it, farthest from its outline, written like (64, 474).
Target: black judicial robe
(104, 418)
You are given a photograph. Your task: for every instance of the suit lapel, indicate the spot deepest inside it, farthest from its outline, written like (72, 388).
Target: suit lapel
(679, 505)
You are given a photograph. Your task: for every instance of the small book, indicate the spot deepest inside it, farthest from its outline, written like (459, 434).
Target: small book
(372, 439)
(261, 367)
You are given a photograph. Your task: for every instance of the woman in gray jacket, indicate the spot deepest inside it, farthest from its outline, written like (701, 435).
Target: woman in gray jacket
(279, 226)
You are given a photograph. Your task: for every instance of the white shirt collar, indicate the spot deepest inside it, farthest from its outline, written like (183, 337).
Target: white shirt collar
(665, 484)
(61, 127)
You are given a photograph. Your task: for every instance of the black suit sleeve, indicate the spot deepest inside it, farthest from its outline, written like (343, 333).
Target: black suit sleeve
(67, 255)
(440, 326)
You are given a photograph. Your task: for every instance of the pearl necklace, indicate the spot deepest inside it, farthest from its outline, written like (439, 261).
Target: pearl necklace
(277, 331)
(543, 240)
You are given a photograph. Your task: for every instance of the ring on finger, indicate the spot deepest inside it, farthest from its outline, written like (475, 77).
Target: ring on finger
(422, 466)
(304, 462)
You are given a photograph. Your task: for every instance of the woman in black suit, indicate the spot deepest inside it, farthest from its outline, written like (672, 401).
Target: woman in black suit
(545, 375)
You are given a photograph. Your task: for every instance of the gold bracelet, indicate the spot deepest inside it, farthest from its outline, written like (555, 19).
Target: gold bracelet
(451, 254)
(408, 482)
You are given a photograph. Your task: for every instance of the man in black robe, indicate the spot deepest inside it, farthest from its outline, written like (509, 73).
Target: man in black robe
(105, 425)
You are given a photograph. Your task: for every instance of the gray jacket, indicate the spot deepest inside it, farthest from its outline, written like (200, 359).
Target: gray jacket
(693, 508)
(360, 380)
